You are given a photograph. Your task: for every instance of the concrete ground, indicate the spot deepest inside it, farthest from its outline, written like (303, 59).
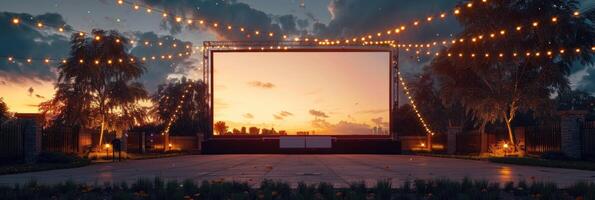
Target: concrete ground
(337, 169)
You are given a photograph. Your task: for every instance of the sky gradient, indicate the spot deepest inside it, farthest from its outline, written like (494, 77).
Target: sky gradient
(324, 18)
(330, 93)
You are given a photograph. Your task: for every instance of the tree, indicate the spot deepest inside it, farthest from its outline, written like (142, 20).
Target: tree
(576, 100)
(220, 128)
(4, 115)
(191, 96)
(493, 88)
(95, 85)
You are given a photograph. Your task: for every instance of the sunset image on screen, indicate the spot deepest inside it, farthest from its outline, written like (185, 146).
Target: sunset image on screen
(301, 93)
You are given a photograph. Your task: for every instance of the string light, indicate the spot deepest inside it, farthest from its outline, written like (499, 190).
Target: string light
(412, 102)
(96, 61)
(177, 108)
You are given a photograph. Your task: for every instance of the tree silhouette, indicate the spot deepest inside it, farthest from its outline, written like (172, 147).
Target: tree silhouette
(4, 115)
(95, 86)
(220, 128)
(494, 89)
(194, 113)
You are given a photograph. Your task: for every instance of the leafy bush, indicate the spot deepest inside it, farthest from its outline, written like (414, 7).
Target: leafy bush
(158, 188)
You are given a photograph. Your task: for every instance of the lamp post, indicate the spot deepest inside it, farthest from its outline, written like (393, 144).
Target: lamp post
(107, 146)
(505, 146)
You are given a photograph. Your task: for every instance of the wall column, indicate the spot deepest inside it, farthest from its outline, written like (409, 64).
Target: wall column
(570, 137)
(451, 139)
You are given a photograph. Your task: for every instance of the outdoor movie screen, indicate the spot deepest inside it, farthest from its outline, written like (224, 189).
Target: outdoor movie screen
(301, 93)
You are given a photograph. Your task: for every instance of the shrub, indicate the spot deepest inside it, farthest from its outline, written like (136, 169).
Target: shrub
(56, 157)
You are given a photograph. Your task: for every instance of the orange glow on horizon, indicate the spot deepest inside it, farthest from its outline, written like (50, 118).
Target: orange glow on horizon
(330, 93)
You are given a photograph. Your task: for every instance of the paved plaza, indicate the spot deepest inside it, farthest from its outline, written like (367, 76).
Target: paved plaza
(337, 169)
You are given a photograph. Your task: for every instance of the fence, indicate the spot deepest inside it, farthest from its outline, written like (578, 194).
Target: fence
(468, 142)
(60, 139)
(11, 141)
(542, 139)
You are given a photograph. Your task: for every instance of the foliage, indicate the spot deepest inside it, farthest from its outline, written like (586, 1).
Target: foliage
(577, 100)
(4, 115)
(46, 161)
(220, 128)
(194, 111)
(91, 92)
(495, 89)
(405, 122)
(173, 189)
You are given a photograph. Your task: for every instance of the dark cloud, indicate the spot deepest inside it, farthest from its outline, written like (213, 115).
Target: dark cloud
(259, 84)
(248, 116)
(158, 70)
(30, 91)
(355, 17)
(27, 41)
(278, 117)
(318, 113)
(587, 83)
(224, 13)
(39, 96)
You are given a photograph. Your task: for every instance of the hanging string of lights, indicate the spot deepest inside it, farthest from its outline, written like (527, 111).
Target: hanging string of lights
(177, 108)
(513, 54)
(420, 118)
(189, 21)
(159, 43)
(30, 60)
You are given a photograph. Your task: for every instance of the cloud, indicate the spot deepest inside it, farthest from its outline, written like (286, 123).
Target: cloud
(259, 84)
(285, 113)
(282, 115)
(587, 81)
(342, 127)
(39, 96)
(224, 13)
(278, 117)
(158, 70)
(356, 17)
(372, 111)
(248, 116)
(317, 113)
(27, 41)
(379, 122)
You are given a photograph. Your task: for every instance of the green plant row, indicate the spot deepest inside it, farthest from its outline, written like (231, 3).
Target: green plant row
(418, 189)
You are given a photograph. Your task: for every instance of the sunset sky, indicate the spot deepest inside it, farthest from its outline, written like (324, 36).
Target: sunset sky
(321, 92)
(323, 18)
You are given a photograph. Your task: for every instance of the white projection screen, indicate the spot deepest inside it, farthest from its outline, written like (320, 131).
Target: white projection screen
(338, 92)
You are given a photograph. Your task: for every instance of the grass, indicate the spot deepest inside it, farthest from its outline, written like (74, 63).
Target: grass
(272, 190)
(568, 164)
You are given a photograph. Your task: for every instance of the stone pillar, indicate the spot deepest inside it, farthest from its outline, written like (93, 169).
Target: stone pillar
(570, 140)
(31, 140)
(451, 139)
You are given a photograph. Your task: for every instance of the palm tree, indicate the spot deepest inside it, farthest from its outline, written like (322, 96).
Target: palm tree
(95, 85)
